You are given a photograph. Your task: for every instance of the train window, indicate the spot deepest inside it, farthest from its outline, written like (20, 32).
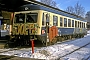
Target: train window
(78, 24)
(88, 26)
(19, 18)
(61, 21)
(82, 24)
(0, 22)
(65, 22)
(75, 23)
(72, 23)
(55, 20)
(31, 17)
(43, 19)
(69, 22)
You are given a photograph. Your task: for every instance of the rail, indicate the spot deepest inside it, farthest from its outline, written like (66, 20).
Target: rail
(60, 58)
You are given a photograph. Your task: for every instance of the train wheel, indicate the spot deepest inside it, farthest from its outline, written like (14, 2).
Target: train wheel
(59, 38)
(6, 45)
(54, 41)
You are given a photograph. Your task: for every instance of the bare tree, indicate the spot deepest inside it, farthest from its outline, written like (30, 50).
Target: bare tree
(88, 16)
(49, 2)
(77, 10)
(70, 9)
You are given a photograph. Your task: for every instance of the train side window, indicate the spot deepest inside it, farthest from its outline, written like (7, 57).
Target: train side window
(65, 22)
(78, 24)
(69, 22)
(88, 26)
(72, 23)
(19, 18)
(43, 19)
(0, 22)
(55, 20)
(61, 21)
(82, 24)
(31, 17)
(75, 23)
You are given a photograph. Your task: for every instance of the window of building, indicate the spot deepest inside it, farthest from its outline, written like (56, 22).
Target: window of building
(69, 22)
(65, 22)
(55, 20)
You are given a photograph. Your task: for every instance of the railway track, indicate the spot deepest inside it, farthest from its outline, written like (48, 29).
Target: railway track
(61, 57)
(88, 58)
(4, 57)
(10, 50)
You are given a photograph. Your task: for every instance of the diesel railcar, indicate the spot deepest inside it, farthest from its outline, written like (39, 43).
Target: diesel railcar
(43, 23)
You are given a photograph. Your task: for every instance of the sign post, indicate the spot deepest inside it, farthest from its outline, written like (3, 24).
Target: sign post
(32, 42)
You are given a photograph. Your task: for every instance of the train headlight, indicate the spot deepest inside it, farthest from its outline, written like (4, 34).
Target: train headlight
(43, 31)
(26, 8)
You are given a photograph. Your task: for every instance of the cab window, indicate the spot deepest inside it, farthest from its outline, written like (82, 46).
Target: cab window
(31, 17)
(19, 18)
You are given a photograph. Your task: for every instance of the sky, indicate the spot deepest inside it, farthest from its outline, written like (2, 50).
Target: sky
(62, 4)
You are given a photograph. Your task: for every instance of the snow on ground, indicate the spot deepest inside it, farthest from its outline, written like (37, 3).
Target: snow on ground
(88, 31)
(81, 54)
(56, 51)
(89, 58)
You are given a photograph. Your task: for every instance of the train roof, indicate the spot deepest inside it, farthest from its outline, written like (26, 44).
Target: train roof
(12, 5)
(50, 9)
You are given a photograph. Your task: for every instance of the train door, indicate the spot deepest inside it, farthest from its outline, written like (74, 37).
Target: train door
(45, 27)
(46, 19)
(0, 24)
(51, 31)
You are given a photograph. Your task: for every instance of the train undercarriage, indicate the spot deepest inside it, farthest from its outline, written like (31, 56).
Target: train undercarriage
(39, 41)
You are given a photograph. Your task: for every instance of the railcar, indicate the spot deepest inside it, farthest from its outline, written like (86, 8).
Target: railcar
(42, 23)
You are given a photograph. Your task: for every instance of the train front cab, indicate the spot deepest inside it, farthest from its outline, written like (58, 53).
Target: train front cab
(26, 27)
